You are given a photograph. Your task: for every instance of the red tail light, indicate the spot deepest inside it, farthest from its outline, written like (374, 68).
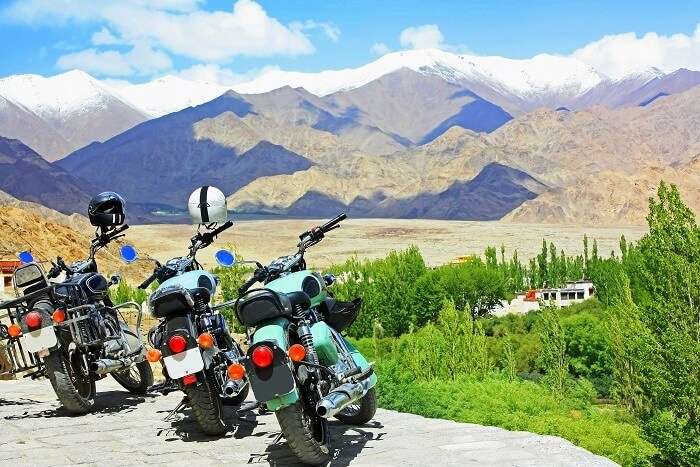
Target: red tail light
(177, 344)
(33, 320)
(189, 379)
(262, 356)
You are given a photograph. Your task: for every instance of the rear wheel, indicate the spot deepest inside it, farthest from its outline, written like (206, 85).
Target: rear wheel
(306, 433)
(206, 405)
(361, 411)
(74, 387)
(136, 379)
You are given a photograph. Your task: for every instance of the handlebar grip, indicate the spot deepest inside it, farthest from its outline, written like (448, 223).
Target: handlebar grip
(148, 281)
(118, 231)
(331, 223)
(244, 288)
(223, 227)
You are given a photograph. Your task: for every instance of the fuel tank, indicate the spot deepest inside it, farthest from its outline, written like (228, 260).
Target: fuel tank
(307, 281)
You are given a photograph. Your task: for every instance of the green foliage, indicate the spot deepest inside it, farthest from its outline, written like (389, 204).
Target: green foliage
(518, 405)
(126, 293)
(553, 358)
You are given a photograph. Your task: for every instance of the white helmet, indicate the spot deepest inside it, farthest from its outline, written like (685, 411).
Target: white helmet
(207, 205)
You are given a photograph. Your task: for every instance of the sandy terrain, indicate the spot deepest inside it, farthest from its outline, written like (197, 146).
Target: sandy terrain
(439, 241)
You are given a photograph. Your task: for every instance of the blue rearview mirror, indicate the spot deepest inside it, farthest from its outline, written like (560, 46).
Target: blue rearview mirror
(225, 258)
(25, 257)
(128, 253)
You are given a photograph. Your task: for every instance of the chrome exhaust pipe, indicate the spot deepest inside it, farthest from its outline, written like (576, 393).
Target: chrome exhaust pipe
(341, 397)
(106, 365)
(231, 389)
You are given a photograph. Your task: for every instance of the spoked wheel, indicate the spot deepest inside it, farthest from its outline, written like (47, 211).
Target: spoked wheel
(360, 411)
(306, 433)
(74, 387)
(136, 379)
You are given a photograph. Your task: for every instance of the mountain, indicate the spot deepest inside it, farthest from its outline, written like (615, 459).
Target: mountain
(24, 174)
(16, 122)
(78, 107)
(416, 106)
(169, 94)
(574, 157)
(161, 161)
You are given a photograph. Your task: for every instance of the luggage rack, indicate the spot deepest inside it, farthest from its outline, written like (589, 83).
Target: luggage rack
(20, 360)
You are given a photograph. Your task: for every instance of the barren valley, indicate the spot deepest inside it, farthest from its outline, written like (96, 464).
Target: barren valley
(439, 241)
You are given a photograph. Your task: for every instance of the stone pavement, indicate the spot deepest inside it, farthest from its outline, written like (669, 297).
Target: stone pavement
(130, 430)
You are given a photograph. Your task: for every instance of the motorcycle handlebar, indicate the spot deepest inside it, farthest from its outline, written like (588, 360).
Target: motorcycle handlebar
(148, 281)
(330, 225)
(248, 284)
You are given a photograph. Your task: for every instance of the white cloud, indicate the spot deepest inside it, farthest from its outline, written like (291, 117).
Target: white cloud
(427, 36)
(620, 54)
(104, 37)
(141, 59)
(379, 48)
(329, 29)
(216, 74)
(179, 27)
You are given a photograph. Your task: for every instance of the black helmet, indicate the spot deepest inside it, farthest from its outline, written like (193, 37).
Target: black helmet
(106, 210)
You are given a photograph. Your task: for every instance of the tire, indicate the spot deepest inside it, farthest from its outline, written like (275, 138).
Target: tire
(136, 379)
(309, 447)
(206, 404)
(75, 393)
(361, 412)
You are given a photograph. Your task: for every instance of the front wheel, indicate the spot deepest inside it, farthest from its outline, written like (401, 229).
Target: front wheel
(361, 411)
(206, 405)
(306, 433)
(75, 388)
(136, 379)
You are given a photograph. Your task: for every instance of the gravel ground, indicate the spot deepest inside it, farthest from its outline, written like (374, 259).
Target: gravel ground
(132, 430)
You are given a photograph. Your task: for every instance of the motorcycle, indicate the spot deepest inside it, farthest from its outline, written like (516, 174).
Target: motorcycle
(298, 363)
(71, 332)
(193, 341)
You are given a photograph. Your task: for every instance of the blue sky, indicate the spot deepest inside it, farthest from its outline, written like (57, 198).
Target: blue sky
(137, 40)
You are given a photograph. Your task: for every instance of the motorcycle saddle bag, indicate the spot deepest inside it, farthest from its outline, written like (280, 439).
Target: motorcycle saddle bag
(259, 305)
(340, 315)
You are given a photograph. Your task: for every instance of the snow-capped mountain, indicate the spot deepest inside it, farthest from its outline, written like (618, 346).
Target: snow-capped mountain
(541, 74)
(77, 106)
(169, 94)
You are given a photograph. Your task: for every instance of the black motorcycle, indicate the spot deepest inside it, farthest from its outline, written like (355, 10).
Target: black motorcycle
(192, 340)
(71, 332)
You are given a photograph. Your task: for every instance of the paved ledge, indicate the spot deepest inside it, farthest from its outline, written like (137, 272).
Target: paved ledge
(130, 430)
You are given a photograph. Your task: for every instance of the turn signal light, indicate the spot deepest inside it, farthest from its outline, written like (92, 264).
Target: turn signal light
(14, 330)
(236, 371)
(177, 344)
(58, 316)
(153, 355)
(33, 320)
(297, 352)
(189, 380)
(262, 356)
(205, 340)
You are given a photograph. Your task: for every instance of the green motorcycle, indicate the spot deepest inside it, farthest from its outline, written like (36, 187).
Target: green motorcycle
(298, 364)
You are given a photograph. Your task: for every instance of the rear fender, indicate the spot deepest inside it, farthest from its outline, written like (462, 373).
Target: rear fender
(275, 334)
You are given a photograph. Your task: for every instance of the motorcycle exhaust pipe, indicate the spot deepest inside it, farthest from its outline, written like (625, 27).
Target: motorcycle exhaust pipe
(106, 365)
(231, 389)
(339, 398)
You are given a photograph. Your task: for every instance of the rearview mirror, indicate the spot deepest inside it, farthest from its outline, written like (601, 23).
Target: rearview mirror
(25, 257)
(225, 258)
(128, 253)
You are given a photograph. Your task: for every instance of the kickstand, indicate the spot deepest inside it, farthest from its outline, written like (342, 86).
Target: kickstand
(176, 409)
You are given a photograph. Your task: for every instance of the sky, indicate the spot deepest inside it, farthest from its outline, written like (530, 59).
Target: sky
(230, 41)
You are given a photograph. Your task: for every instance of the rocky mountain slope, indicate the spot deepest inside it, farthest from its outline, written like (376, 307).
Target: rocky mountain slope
(25, 174)
(48, 234)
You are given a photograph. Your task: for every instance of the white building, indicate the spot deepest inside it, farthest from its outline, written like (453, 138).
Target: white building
(572, 292)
